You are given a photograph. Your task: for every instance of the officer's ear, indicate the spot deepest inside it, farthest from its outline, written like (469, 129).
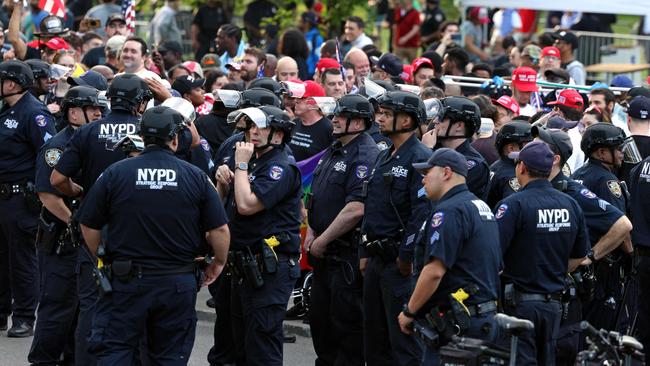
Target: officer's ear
(278, 136)
(557, 160)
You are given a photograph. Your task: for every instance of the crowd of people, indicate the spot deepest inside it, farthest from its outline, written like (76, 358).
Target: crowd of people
(420, 200)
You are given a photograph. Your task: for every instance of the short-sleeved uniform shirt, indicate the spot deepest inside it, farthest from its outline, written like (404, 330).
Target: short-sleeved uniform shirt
(540, 230)
(23, 130)
(199, 156)
(87, 150)
(382, 141)
(157, 208)
(460, 226)
(396, 197)
(503, 181)
(275, 180)
(214, 127)
(640, 202)
(602, 182)
(307, 141)
(478, 171)
(338, 179)
(48, 156)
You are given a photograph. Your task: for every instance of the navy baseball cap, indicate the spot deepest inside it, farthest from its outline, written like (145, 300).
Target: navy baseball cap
(185, 83)
(560, 123)
(536, 155)
(638, 91)
(557, 138)
(639, 108)
(391, 64)
(89, 78)
(445, 157)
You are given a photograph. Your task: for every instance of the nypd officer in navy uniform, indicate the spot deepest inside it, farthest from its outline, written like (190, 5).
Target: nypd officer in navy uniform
(640, 211)
(512, 136)
(460, 226)
(154, 283)
(546, 227)
(57, 307)
(265, 228)
(25, 124)
(461, 120)
(394, 211)
(335, 209)
(607, 227)
(87, 154)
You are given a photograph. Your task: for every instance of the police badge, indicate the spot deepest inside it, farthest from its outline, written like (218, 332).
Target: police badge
(52, 157)
(615, 188)
(514, 184)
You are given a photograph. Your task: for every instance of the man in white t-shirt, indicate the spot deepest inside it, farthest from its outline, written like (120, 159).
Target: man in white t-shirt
(524, 83)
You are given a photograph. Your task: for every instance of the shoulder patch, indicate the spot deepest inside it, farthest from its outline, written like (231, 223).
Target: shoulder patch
(382, 145)
(566, 169)
(437, 219)
(362, 171)
(470, 164)
(615, 188)
(52, 157)
(587, 193)
(501, 211)
(276, 172)
(40, 120)
(514, 184)
(205, 145)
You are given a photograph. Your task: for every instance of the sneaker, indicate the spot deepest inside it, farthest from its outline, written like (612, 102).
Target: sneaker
(20, 330)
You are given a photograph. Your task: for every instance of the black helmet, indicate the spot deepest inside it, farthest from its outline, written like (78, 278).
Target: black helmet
(355, 106)
(40, 68)
(461, 109)
(80, 96)
(17, 71)
(406, 102)
(513, 132)
(257, 97)
(601, 135)
(127, 91)
(161, 122)
(269, 84)
(279, 120)
(51, 25)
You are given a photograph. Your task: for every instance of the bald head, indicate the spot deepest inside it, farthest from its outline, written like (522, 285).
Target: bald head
(360, 61)
(287, 69)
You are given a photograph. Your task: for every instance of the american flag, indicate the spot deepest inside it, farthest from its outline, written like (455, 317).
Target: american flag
(128, 10)
(54, 7)
(339, 59)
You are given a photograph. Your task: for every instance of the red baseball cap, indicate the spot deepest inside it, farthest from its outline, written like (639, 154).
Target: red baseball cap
(479, 13)
(56, 43)
(407, 74)
(569, 98)
(313, 89)
(327, 63)
(525, 79)
(551, 51)
(508, 103)
(418, 62)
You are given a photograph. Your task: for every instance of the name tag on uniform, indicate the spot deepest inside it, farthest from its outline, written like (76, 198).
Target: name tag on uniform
(553, 220)
(156, 179)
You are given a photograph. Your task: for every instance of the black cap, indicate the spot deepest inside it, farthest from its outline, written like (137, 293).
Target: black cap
(557, 138)
(445, 157)
(560, 73)
(637, 91)
(557, 122)
(568, 37)
(51, 25)
(172, 46)
(185, 83)
(639, 108)
(391, 64)
(89, 78)
(536, 155)
(115, 17)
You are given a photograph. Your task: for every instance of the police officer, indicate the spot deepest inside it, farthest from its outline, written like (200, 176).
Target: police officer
(547, 228)
(25, 124)
(266, 236)
(394, 211)
(154, 283)
(383, 142)
(460, 226)
(512, 136)
(335, 208)
(41, 71)
(607, 226)
(57, 253)
(90, 150)
(638, 122)
(462, 118)
(214, 126)
(640, 208)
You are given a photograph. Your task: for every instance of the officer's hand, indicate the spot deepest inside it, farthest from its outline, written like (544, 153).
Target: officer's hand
(212, 272)
(224, 175)
(586, 262)
(363, 263)
(243, 152)
(404, 322)
(53, 108)
(309, 239)
(160, 93)
(405, 268)
(429, 138)
(317, 248)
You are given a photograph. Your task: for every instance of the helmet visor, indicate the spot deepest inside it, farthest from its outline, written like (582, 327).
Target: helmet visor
(294, 90)
(373, 90)
(327, 105)
(409, 88)
(434, 109)
(630, 151)
(230, 98)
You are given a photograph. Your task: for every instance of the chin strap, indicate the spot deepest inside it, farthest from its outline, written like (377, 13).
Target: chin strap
(2, 86)
(346, 132)
(268, 141)
(396, 131)
(447, 137)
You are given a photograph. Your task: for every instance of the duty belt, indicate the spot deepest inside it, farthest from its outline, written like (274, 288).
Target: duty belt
(643, 251)
(482, 308)
(7, 190)
(523, 297)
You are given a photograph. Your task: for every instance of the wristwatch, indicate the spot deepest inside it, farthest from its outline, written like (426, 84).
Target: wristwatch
(406, 312)
(241, 166)
(591, 255)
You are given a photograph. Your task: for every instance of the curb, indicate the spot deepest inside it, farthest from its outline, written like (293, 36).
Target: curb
(293, 327)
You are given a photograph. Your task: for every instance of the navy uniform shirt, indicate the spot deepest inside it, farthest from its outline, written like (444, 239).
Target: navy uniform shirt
(599, 214)
(503, 181)
(157, 208)
(602, 182)
(643, 144)
(48, 156)
(460, 227)
(640, 202)
(338, 179)
(394, 177)
(226, 152)
(382, 141)
(23, 130)
(478, 171)
(87, 149)
(199, 156)
(540, 230)
(275, 180)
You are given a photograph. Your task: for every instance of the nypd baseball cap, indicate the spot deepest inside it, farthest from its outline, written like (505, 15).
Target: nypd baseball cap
(639, 108)
(557, 138)
(536, 155)
(445, 157)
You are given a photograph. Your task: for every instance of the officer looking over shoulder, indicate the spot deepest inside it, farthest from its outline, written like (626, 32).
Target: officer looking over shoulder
(57, 249)
(394, 211)
(460, 226)
(547, 228)
(265, 228)
(25, 124)
(512, 136)
(157, 278)
(461, 120)
(335, 209)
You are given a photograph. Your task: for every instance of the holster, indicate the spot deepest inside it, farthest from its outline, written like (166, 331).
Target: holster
(509, 295)
(32, 202)
(48, 234)
(122, 270)
(387, 249)
(585, 284)
(247, 269)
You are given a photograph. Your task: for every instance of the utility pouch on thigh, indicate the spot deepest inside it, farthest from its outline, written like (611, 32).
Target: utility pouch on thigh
(122, 270)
